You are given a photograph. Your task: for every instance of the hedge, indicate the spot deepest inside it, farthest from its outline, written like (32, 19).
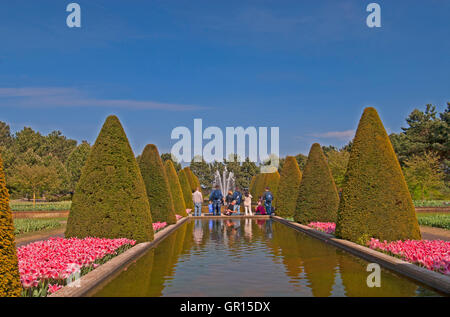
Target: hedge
(317, 199)
(190, 178)
(286, 198)
(186, 188)
(157, 185)
(375, 199)
(272, 180)
(10, 285)
(175, 189)
(110, 200)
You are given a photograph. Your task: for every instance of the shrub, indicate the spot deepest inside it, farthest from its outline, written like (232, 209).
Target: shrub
(286, 198)
(157, 185)
(192, 179)
(251, 188)
(317, 200)
(10, 284)
(110, 200)
(375, 199)
(186, 188)
(175, 189)
(272, 180)
(259, 185)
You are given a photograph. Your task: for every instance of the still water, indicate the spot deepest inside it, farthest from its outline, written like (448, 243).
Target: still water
(250, 257)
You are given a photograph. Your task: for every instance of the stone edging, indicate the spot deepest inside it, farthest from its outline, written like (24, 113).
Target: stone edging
(102, 273)
(432, 279)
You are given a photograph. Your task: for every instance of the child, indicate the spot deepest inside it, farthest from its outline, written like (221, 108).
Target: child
(260, 209)
(248, 204)
(230, 208)
(211, 208)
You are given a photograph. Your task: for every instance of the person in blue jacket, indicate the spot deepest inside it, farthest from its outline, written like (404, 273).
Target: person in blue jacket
(237, 197)
(268, 198)
(217, 198)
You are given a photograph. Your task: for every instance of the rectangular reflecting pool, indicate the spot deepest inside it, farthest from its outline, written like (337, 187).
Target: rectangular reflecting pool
(251, 257)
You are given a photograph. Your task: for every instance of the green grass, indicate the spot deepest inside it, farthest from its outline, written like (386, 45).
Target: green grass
(431, 203)
(25, 225)
(28, 206)
(438, 220)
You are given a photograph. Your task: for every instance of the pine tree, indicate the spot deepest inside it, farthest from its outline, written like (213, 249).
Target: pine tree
(286, 198)
(175, 189)
(375, 199)
(157, 185)
(317, 198)
(110, 200)
(10, 285)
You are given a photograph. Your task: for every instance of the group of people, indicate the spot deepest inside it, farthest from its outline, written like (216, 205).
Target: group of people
(233, 202)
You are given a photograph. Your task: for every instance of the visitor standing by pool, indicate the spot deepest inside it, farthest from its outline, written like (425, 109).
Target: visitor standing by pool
(217, 198)
(248, 204)
(268, 198)
(197, 197)
(237, 197)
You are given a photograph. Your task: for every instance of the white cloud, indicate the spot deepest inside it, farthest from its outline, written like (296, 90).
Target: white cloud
(43, 97)
(339, 135)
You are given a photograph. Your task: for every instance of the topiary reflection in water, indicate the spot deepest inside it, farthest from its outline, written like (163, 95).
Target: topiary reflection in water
(250, 257)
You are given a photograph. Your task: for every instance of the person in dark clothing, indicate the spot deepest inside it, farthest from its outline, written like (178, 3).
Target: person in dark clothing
(217, 198)
(268, 198)
(237, 196)
(229, 198)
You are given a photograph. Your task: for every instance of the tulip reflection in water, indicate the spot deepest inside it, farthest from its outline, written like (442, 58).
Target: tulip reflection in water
(250, 257)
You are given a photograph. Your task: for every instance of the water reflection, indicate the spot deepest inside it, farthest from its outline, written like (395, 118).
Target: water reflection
(250, 257)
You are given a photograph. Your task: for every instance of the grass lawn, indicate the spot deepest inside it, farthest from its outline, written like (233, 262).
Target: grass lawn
(438, 220)
(27, 225)
(28, 206)
(431, 203)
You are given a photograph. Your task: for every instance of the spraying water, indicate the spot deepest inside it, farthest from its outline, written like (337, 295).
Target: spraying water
(226, 181)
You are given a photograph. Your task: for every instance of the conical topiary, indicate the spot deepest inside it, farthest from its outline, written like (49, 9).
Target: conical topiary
(157, 185)
(286, 198)
(10, 285)
(110, 199)
(375, 199)
(251, 188)
(175, 189)
(317, 199)
(272, 181)
(186, 188)
(260, 183)
(191, 178)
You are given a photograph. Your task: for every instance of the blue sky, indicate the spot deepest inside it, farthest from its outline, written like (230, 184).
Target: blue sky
(308, 67)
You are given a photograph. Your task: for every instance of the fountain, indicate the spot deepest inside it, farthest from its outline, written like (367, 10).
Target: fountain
(225, 181)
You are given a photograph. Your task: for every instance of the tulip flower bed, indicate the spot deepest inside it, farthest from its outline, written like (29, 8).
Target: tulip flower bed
(46, 266)
(327, 227)
(159, 226)
(178, 217)
(431, 254)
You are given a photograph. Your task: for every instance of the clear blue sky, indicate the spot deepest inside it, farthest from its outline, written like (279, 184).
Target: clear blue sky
(309, 67)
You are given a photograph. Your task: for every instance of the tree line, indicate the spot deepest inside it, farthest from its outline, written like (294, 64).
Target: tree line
(37, 164)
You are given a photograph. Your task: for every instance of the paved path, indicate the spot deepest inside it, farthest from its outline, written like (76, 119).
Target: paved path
(431, 233)
(26, 239)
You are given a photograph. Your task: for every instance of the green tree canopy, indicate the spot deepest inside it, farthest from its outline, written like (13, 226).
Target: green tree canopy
(110, 199)
(375, 199)
(76, 161)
